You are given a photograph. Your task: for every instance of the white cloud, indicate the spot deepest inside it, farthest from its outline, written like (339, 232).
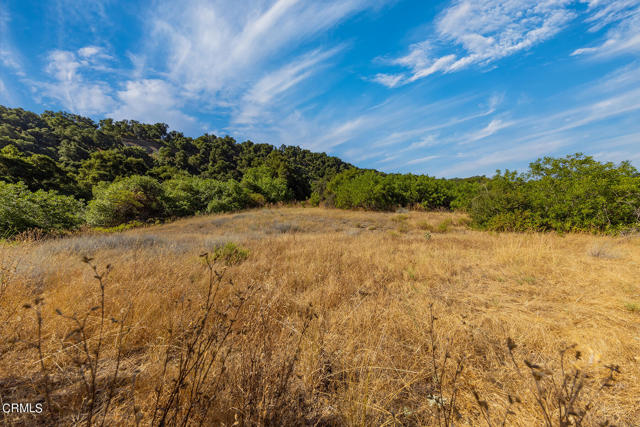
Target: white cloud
(498, 157)
(493, 127)
(9, 58)
(343, 132)
(71, 88)
(77, 86)
(480, 32)
(389, 80)
(261, 96)
(218, 45)
(623, 19)
(422, 160)
(4, 94)
(92, 52)
(151, 101)
(605, 12)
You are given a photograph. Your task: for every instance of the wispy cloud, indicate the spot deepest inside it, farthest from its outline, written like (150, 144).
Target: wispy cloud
(9, 57)
(500, 156)
(218, 45)
(602, 118)
(244, 60)
(76, 85)
(493, 127)
(275, 84)
(422, 160)
(3, 91)
(71, 87)
(480, 32)
(151, 100)
(623, 19)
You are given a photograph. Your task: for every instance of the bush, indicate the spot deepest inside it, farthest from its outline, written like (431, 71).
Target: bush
(134, 198)
(575, 193)
(226, 196)
(192, 195)
(21, 210)
(377, 191)
(183, 196)
(360, 189)
(229, 254)
(263, 180)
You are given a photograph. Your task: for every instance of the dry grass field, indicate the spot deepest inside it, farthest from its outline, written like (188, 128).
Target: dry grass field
(328, 321)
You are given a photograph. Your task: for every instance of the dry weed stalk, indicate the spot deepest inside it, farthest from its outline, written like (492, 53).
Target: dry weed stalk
(565, 398)
(202, 352)
(443, 378)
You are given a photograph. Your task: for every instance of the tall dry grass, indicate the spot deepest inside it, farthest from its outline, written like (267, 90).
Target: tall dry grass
(333, 318)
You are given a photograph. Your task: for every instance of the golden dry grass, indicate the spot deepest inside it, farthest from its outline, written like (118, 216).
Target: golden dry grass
(370, 279)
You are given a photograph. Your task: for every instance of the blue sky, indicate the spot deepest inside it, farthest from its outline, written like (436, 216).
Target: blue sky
(447, 88)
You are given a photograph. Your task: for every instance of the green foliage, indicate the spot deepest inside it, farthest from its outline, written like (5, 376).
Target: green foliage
(314, 199)
(72, 154)
(229, 254)
(37, 172)
(108, 165)
(120, 228)
(138, 171)
(443, 226)
(575, 193)
(265, 181)
(134, 198)
(22, 209)
(185, 196)
(226, 196)
(633, 307)
(464, 190)
(377, 191)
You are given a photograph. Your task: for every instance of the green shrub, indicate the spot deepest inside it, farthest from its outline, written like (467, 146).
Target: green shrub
(193, 195)
(257, 199)
(21, 210)
(314, 200)
(229, 254)
(575, 193)
(425, 225)
(184, 196)
(633, 307)
(134, 198)
(263, 180)
(226, 196)
(120, 228)
(377, 191)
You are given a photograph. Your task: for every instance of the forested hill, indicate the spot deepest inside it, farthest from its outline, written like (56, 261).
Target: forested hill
(70, 154)
(60, 171)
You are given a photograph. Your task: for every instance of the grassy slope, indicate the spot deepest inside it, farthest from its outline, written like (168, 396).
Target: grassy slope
(371, 278)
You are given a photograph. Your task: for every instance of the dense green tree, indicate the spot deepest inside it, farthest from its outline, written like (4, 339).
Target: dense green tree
(574, 193)
(265, 181)
(137, 198)
(107, 165)
(37, 171)
(374, 190)
(22, 210)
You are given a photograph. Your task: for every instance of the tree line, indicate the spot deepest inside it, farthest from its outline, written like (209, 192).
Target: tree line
(112, 172)
(573, 193)
(59, 171)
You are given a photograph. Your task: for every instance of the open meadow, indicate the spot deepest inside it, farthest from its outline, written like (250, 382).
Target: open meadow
(321, 317)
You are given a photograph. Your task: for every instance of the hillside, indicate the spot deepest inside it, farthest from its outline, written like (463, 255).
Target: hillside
(329, 321)
(61, 172)
(80, 153)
